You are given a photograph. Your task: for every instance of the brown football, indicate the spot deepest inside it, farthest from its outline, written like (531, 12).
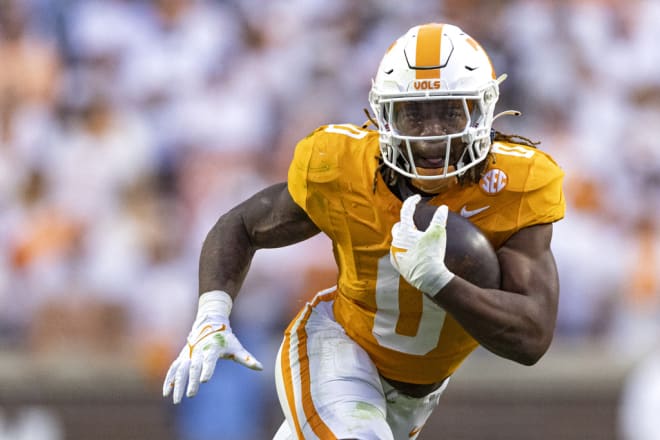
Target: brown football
(469, 253)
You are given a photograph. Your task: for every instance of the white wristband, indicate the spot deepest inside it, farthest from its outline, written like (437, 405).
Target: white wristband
(215, 302)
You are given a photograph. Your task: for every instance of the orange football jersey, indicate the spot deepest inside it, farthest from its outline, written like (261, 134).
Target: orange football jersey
(333, 178)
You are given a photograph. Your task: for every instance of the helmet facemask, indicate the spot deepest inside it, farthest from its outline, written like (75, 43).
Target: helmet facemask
(457, 147)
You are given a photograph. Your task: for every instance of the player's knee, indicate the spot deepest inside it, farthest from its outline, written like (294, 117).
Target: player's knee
(364, 421)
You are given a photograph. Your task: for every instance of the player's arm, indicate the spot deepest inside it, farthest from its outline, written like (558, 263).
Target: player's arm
(268, 219)
(517, 321)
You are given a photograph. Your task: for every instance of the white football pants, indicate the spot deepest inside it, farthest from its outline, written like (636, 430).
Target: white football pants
(329, 388)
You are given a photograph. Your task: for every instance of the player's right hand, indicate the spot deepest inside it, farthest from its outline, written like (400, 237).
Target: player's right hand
(420, 256)
(210, 339)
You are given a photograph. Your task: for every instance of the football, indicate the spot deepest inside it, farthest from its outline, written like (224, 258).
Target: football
(469, 253)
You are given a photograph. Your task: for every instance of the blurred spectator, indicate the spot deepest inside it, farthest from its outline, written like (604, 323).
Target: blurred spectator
(29, 63)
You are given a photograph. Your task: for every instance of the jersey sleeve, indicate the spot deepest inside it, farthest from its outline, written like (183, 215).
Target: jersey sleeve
(298, 169)
(311, 163)
(314, 168)
(543, 197)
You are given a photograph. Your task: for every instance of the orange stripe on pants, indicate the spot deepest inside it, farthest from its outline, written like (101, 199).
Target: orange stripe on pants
(288, 383)
(311, 415)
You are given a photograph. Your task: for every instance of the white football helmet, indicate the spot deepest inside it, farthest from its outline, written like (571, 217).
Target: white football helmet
(436, 62)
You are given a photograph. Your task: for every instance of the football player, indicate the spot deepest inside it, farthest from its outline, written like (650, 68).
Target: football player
(370, 357)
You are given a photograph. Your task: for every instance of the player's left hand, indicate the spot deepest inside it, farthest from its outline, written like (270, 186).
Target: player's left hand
(419, 256)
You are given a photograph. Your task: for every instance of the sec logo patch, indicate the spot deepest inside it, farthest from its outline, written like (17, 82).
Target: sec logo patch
(493, 181)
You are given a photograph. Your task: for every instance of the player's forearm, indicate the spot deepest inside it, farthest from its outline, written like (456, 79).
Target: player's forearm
(268, 219)
(226, 255)
(508, 324)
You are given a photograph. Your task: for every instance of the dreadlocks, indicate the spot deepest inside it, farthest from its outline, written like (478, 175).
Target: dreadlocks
(514, 138)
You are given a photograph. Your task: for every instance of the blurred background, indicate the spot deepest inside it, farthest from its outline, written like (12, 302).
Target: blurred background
(128, 126)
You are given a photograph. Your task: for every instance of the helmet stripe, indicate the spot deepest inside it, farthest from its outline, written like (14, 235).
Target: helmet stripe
(427, 53)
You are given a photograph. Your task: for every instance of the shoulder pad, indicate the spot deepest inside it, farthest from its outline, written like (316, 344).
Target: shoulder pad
(325, 157)
(320, 154)
(525, 168)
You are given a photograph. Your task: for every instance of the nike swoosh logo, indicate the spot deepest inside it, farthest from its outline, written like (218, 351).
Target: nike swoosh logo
(467, 213)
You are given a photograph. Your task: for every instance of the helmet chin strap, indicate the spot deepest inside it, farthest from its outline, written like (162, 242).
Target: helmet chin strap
(434, 186)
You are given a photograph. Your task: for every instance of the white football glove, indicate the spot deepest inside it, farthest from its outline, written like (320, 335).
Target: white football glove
(419, 256)
(211, 338)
